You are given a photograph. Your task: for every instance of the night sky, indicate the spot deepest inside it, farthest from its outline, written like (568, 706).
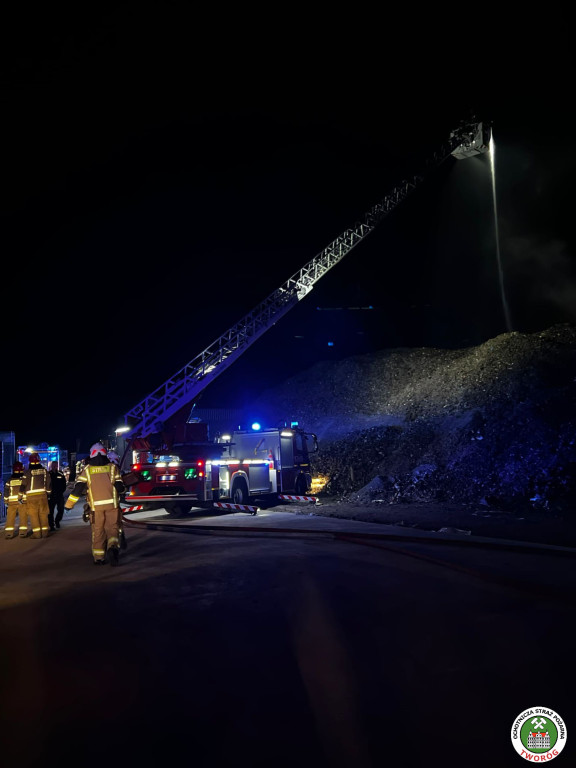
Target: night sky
(160, 179)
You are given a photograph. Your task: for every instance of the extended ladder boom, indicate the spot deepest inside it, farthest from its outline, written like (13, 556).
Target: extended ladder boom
(470, 138)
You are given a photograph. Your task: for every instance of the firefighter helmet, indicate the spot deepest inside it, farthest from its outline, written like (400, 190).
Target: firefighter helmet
(18, 467)
(113, 456)
(34, 458)
(97, 450)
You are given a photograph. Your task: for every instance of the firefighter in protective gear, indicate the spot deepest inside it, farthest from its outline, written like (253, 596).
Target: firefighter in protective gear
(115, 459)
(36, 488)
(15, 506)
(101, 482)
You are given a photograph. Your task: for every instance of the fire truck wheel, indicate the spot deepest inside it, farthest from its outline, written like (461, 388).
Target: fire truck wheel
(175, 510)
(239, 492)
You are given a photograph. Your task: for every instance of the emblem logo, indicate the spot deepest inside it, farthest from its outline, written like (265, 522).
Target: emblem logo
(538, 734)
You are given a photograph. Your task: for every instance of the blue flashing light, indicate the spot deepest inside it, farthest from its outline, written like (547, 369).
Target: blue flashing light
(256, 426)
(330, 343)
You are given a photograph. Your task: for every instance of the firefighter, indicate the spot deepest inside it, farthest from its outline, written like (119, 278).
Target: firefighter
(36, 489)
(115, 459)
(102, 484)
(13, 497)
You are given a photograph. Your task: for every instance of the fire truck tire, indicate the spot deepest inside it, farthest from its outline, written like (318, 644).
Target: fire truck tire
(176, 510)
(239, 492)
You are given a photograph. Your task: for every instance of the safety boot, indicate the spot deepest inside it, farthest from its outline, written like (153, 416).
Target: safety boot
(113, 555)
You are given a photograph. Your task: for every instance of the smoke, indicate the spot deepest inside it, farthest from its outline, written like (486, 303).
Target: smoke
(542, 277)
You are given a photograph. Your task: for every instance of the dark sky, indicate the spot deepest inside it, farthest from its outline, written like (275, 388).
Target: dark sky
(162, 176)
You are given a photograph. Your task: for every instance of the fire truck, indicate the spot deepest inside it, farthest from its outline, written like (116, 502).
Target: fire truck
(47, 453)
(231, 472)
(170, 467)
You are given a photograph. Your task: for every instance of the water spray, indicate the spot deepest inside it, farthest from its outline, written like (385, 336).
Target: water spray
(506, 309)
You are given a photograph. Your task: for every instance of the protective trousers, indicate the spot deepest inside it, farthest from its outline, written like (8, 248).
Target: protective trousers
(55, 503)
(14, 509)
(105, 530)
(38, 512)
(58, 505)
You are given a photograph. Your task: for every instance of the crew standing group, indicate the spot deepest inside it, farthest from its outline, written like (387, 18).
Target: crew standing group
(36, 494)
(28, 494)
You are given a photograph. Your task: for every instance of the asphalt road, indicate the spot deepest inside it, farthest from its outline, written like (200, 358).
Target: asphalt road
(340, 643)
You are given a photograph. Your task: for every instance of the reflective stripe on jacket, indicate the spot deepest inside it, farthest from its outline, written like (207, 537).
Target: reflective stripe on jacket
(12, 489)
(102, 485)
(36, 480)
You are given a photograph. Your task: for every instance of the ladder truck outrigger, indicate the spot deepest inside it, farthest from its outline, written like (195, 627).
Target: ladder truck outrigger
(173, 464)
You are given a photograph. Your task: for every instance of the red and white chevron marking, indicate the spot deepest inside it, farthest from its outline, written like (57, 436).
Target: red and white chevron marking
(298, 498)
(132, 509)
(243, 507)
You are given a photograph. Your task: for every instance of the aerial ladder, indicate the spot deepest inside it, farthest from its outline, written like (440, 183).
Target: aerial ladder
(151, 414)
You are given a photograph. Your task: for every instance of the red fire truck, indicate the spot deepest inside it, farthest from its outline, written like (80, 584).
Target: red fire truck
(235, 469)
